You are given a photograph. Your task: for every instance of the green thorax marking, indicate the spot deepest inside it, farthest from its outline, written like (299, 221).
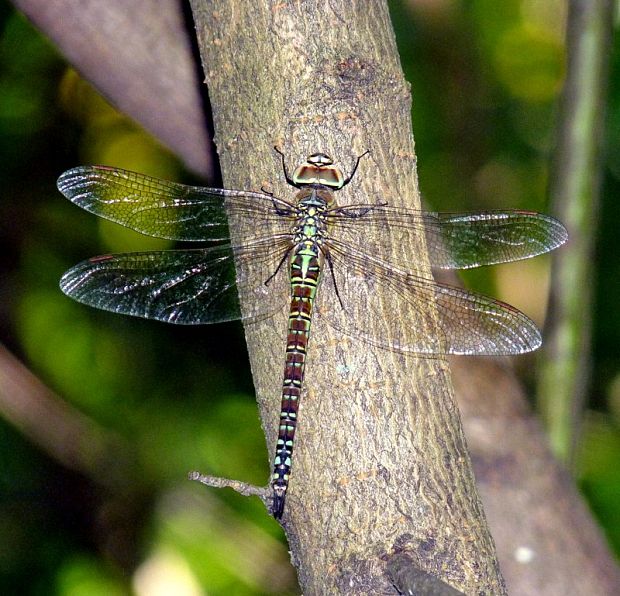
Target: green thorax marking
(311, 231)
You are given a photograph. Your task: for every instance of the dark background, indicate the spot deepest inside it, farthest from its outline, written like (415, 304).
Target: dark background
(158, 400)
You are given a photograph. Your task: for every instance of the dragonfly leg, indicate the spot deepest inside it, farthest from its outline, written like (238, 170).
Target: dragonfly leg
(288, 179)
(328, 258)
(357, 163)
(282, 261)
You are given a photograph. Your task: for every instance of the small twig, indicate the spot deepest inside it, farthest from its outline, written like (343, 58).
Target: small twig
(243, 488)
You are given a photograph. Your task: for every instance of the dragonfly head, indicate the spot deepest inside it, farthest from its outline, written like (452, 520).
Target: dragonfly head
(319, 169)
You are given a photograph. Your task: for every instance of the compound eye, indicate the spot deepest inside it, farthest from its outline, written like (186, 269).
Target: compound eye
(320, 160)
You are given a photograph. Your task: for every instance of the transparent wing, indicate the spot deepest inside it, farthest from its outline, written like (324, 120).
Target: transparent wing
(167, 209)
(454, 240)
(466, 323)
(187, 287)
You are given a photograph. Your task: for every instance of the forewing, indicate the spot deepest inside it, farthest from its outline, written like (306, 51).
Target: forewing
(409, 313)
(187, 287)
(454, 240)
(167, 209)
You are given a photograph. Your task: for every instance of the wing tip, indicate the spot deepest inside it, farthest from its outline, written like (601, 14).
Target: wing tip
(556, 230)
(65, 180)
(73, 180)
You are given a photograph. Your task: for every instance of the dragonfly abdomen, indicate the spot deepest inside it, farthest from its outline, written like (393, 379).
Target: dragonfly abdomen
(305, 270)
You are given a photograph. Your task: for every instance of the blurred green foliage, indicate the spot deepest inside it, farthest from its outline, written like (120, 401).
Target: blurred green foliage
(485, 78)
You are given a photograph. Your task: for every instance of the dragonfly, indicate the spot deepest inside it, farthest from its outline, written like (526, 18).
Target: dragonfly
(291, 249)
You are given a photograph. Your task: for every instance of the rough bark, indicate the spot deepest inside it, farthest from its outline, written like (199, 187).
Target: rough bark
(380, 462)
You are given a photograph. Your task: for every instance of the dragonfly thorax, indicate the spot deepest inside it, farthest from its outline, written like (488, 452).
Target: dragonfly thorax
(312, 197)
(319, 169)
(313, 203)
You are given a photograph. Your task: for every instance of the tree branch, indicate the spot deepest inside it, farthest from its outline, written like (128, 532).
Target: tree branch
(380, 457)
(64, 433)
(546, 539)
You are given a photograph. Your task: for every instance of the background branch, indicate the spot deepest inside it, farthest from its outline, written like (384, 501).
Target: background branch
(64, 433)
(139, 55)
(546, 539)
(575, 187)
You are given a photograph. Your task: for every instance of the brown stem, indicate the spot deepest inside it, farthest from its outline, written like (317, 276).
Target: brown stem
(380, 458)
(547, 541)
(64, 433)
